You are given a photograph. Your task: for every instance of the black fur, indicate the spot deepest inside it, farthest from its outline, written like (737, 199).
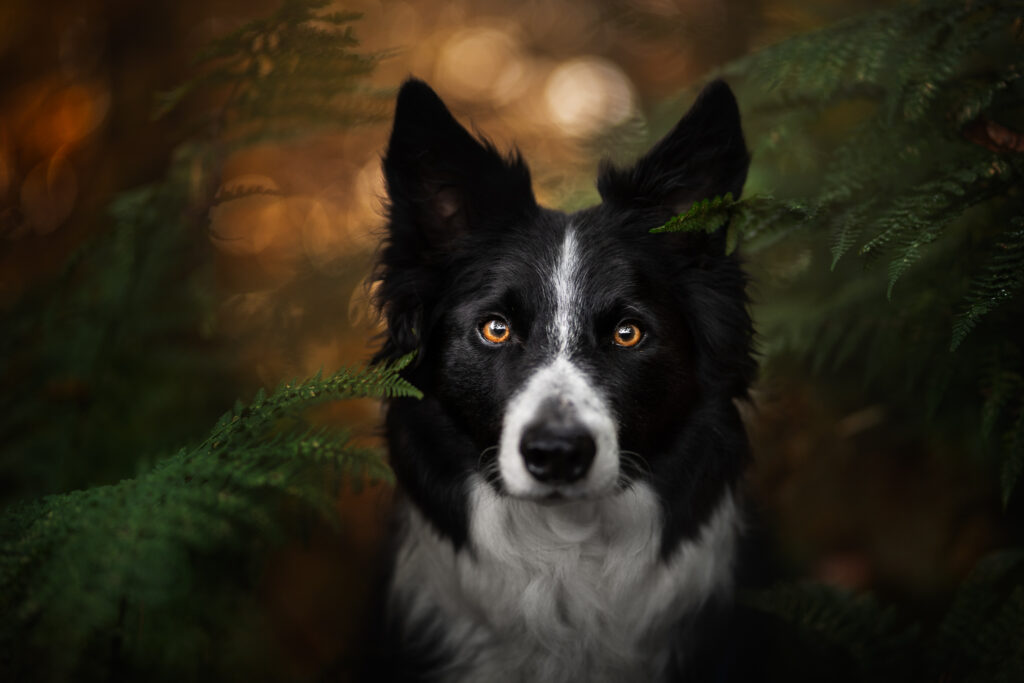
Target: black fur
(465, 235)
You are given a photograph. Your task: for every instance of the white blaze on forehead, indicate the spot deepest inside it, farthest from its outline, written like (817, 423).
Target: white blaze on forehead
(564, 382)
(566, 278)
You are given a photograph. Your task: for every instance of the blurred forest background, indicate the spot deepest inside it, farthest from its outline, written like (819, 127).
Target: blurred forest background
(190, 199)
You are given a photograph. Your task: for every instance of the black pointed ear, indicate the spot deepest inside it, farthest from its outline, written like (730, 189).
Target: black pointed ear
(442, 181)
(703, 156)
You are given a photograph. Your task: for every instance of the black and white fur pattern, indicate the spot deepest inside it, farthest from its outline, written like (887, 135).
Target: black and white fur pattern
(503, 571)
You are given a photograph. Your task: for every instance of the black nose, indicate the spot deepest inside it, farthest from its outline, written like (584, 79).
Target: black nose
(557, 452)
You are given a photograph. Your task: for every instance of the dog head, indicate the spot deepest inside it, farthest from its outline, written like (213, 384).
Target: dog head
(563, 356)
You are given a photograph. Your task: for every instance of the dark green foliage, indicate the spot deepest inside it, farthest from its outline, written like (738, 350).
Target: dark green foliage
(764, 220)
(289, 74)
(918, 171)
(706, 215)
(893, 262)
(116, 365)
(876, 641)
(120, 341)
(978, 639)
(150, 572)
(997, 282)
(97, 360)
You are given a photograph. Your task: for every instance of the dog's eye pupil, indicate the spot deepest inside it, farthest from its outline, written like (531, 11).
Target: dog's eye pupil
(627, 334)
(495, 331)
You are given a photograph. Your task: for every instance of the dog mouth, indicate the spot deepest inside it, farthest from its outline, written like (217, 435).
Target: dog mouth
(561, 495)
(557, 498)
(550, 494)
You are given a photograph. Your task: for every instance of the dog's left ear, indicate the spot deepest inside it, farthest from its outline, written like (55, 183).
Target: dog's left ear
(703, 156)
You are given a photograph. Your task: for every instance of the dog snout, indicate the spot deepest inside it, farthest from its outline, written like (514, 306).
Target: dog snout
(557, 451)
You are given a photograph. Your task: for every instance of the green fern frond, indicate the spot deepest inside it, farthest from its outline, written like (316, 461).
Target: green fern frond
(761, 222)
(857, 624)
(938, 53)
(381, 381)
(1001, 280)
(1007, 387)
(706, 215)
(966, 642)
(1013, 456)
(756, 221)
(1003, 660)
(919, 217)
(847, 226)
(894, 107)
(71, 564)
(975, 95)
(286, 74)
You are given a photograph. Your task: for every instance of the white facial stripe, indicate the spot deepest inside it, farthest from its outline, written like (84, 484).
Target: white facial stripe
(564, 382)
(566, 278)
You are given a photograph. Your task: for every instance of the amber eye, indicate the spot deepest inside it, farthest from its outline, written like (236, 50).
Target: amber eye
(627, 335)
(495, 331)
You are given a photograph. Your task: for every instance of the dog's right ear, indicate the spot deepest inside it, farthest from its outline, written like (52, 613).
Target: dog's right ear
(442, 182)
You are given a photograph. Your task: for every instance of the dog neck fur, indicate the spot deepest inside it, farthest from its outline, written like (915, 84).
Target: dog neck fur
(574, 591)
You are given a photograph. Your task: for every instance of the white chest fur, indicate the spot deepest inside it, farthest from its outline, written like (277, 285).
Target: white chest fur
(564, 592)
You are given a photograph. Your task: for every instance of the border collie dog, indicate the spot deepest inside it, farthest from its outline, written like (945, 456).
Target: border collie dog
(567, 484)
